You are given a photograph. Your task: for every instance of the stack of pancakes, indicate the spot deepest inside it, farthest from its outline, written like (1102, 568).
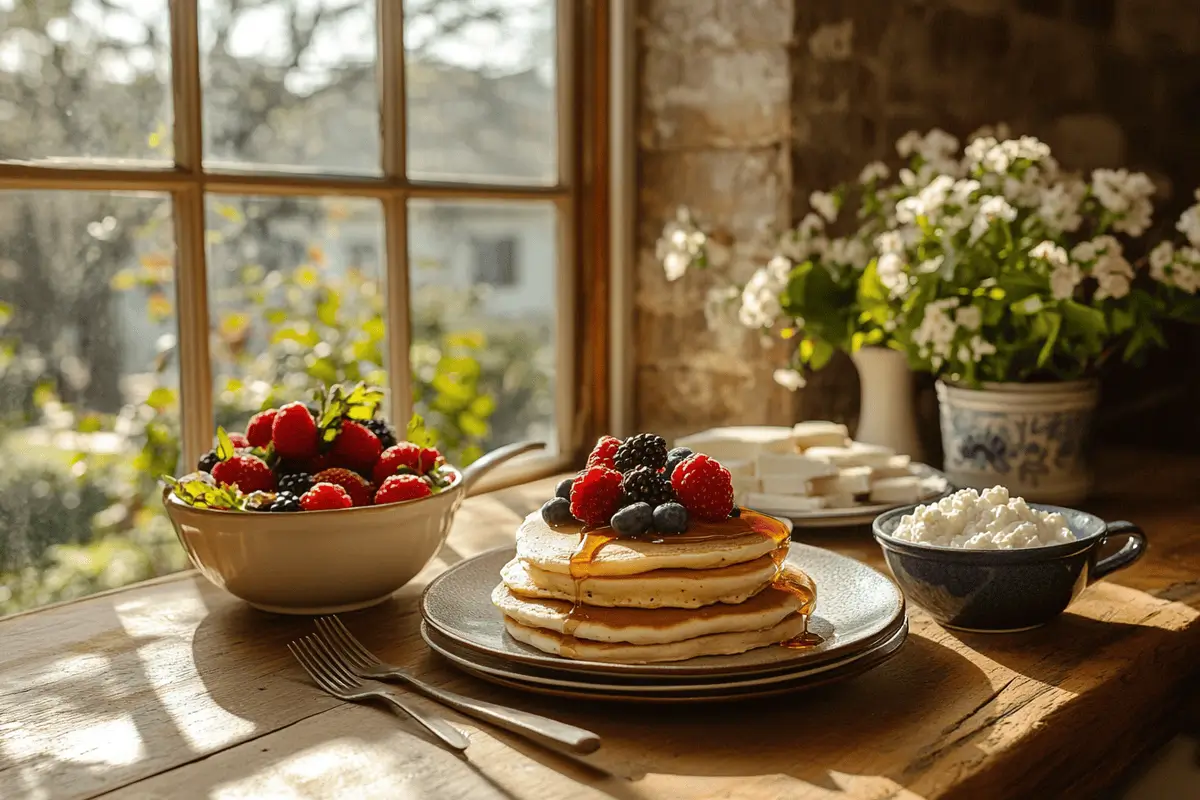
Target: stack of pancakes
(720, 592)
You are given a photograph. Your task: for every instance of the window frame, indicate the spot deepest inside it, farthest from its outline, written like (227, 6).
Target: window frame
(580, 196)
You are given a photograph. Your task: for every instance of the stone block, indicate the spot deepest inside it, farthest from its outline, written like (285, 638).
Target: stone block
(721, 23)
(714, 98)
(1087, 141)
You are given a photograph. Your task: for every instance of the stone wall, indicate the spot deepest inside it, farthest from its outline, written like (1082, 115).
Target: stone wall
(746, 107)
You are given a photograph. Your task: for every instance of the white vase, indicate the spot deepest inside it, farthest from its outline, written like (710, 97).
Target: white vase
(887, 415)
(1030, 437)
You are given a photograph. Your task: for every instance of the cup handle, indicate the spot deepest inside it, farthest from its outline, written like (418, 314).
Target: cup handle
(1131, 551)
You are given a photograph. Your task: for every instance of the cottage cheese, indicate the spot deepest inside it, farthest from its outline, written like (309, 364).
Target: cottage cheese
(988, 520)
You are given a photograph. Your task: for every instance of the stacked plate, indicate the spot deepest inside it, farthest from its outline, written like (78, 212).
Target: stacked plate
(860, 617)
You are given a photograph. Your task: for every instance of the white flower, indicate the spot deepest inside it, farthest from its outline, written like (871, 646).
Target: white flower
(978, 148)
(998, 131)
(935, 335)
(1063, 280)
(907, 177)
(875, 171)
(789, 379)
(1187, 277)
(1059, 206)
(1084, 251)
(890, 268)
(981, 347)
(824, 204)
(760, 297)
(1127, 195)
(907, 144)
(778, 268)
(962, 191)
(675, 265)
(1050, 252)
(930, 265)
(811, 225)
(1161, 257)
(1189, 223)
(889, 242)
(908, 209)
(991, 208)
(1113, 273)
(969, 317)
(681, 244)
(1031, 304)
(851, 252)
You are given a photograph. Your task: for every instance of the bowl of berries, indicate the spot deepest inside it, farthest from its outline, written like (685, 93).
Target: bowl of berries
(319, 508)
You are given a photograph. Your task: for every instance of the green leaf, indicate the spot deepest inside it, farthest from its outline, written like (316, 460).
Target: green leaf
(1083, 320)
(472, 425)
(1054, 322)
(225, 448)
(822, 352)
(417, 433)
(327, 309)
(160, 399)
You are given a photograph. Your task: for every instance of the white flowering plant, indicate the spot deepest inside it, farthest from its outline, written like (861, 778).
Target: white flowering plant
(1000, 266)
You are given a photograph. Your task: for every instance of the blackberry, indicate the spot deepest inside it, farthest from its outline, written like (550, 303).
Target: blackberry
(645, 485)
(286, 501)
(670, 518)
(633, 520)
(296, 483)
(643, 450)
(208, 461)
(383, 431)
(675, 457)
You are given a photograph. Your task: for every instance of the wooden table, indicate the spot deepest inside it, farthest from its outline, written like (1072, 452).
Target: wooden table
(173, 689)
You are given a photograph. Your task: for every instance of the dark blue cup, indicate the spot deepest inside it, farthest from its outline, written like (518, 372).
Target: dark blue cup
(1005, 590)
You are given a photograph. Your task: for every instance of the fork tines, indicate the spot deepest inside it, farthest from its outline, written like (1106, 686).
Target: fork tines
(323, 665)
(343, 643)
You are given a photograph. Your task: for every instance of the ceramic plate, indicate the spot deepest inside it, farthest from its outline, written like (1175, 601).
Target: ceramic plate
(855, 606)
(807, 679)
(482, 664)
(863, 515)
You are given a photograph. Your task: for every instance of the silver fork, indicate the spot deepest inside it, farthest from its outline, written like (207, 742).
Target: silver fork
(363, 663)
(327, 672)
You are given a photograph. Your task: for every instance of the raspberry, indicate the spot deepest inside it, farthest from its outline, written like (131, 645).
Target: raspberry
(643, 450)
(294, 432)
(325, 496)
(355, 447)
(603, 452)
(704, 487)
(430, 457)
(405, 454)
(239, 440)
(258, 432)
(399, 488)
(595, 495)
(247, 473)
(355, 485)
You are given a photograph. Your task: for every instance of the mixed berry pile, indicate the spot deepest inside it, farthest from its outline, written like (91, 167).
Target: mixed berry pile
(335, 453)
(638, 485)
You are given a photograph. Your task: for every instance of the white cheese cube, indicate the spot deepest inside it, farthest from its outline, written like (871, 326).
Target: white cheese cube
(851, 480)
(819, 433)
(738, 443)
(896, 490)
(792, 465)
(784, 503)
(784, 484)
(896, 467)
(743, 484)
(856, 455)
(840, 501)
(743, 467)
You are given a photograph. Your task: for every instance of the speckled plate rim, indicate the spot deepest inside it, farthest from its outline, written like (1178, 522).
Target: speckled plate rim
(760, 660)
(473, 661)
(801, 682)
(859, 515)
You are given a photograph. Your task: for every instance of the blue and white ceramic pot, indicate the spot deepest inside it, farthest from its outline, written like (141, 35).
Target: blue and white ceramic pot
(1034, 438)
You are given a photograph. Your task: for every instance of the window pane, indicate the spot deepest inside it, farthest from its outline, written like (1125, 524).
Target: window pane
(89, 82)
(296, 299)
(290, 84)
(480, 88)
(89, 410)
(483, 289)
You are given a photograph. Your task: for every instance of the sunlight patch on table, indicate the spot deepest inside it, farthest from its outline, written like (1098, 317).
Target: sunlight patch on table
(169, 669)
(113, 742)
(338, 768)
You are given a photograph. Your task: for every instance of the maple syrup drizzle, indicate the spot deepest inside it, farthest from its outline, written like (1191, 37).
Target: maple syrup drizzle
(592, 541)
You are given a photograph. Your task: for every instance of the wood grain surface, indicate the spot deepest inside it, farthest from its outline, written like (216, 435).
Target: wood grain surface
(174, 689)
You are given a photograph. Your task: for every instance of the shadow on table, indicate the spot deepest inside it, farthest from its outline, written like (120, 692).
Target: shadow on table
(848, 728)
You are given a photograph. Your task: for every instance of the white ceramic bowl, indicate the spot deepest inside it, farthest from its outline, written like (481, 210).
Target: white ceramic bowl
(324, 562)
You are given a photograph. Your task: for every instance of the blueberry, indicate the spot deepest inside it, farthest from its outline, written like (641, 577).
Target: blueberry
(557, 511)
(633, 520)
(670, 518)
(737, 512)
(674, 457)
(563, 489)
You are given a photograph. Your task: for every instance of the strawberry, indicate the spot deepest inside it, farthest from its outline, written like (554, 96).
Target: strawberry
(596, 495)
(355, 447)
(258, 432)
(355, 485)
(324, 497)
(430, 458)
(239, 440)
(246, 472)
(294, 432)
(405, 454)
(602, 454)
(400, 488)
(704, 487)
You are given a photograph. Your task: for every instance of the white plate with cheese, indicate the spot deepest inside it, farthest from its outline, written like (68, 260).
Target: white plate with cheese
(814, 475)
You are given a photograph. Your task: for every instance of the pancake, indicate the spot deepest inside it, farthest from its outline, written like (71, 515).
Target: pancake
(648, 626)
(708, 546)
(718, 644)
(672, 588)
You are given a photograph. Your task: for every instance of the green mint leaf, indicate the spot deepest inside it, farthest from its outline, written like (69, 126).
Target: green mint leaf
(225, 449)
(417, 433)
